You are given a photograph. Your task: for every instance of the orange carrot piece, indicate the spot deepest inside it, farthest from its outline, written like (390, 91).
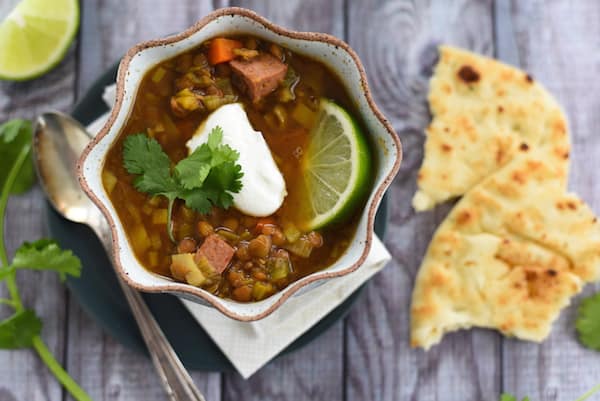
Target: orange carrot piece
(221, 50)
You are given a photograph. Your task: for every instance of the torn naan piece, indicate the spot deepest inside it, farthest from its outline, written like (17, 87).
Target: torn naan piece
(484, 113)
(509, 256)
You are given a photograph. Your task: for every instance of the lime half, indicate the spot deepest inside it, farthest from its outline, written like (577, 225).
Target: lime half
(336, 167)
(35, 35)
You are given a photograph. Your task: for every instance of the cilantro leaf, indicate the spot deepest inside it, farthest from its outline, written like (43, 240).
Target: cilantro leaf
(204, 179)
(19, 330)
(46, 255)
(15, 135)
(144, 156)
(588, 322)
(193, 170)
(215, 137)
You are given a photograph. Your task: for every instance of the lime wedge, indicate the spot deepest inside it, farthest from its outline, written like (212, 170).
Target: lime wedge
(336, 167)
(34, 36)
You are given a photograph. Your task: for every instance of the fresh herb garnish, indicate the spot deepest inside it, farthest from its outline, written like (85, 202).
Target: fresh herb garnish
(22, 329)
(205, 178)
(588, 322)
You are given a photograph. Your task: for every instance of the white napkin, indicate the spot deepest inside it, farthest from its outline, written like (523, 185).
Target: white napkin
(248, 345)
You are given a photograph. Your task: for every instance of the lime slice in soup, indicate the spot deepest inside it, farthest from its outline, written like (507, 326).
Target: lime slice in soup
(337, 165)
(35, 35)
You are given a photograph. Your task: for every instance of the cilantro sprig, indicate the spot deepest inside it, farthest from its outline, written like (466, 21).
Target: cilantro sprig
(23, 328)
(206, 178)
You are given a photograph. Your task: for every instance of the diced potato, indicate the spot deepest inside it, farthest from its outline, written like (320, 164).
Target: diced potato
(184, 268)
(139, 238)
(195, 277)
(158, 75)
(147, 209)
(262, 290)
(160, 216)
(280, 114)
(155, 241)
(154, 201)
(153, 258)
(304, 115)
(109, 180)
(134, 212)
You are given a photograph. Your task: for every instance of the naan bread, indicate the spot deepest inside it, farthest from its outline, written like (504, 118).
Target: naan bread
(484, 113)
(509, 256)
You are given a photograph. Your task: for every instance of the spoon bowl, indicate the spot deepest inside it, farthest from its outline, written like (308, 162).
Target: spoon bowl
(58, 142)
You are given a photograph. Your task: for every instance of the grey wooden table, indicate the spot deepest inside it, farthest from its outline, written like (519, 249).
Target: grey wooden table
(367, 356)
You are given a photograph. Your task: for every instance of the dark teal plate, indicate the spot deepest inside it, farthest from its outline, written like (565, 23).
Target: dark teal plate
(99, 294)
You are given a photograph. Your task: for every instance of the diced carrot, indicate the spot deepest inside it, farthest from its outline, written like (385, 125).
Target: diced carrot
(221, 50)
(264, 221)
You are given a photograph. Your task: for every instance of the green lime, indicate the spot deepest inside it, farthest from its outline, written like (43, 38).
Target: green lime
(35, 35)
(337, 165)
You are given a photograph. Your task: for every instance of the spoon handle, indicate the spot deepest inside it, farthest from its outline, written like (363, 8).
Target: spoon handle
(175, 378)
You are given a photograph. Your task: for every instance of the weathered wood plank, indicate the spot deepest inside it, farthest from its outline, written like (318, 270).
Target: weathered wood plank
(558, 44)
(104, 367)
(396, 41)
(22, 375)
(316, 372)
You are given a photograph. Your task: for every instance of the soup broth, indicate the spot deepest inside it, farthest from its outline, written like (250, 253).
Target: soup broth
(285, 117)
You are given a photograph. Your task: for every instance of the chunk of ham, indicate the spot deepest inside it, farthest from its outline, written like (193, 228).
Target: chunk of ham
(217, 252)
(258, 76)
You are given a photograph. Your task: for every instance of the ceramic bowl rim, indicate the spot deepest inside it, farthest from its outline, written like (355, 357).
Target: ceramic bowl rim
(182, 288)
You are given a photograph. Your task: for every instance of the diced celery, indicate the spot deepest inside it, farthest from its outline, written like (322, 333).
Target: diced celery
(225, 85)
(158, 75)
(304, 115)
(302, 247)
(228, 235)
(279, 268)
(109, 180)
(213, 102)
(207, 269)
(291, 232)
(160, 216)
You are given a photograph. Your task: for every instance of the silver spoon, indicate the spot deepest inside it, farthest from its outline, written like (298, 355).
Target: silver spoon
(57, 144)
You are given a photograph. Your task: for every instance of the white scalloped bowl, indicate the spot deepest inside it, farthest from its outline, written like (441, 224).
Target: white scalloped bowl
(331, 51)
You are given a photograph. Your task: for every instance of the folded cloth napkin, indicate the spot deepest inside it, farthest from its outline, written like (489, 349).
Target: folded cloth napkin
(249, 345)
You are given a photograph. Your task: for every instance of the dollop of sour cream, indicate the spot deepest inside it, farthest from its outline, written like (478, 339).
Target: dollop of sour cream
(263, 186)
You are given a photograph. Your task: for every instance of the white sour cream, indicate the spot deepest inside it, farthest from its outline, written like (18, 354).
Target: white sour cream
(263, 186)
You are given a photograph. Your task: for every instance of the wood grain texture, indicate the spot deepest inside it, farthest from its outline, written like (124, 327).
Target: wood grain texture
(397, 42)
(22, 375)
(366, 357)
(315, 372)
(102, 366)
(558, 44)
